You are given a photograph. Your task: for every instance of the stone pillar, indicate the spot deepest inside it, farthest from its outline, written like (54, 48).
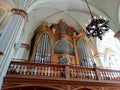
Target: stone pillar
(8, 38)
(12, 32)
(7, 41)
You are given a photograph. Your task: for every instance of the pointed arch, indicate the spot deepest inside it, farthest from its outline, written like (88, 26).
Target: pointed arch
(63, 46)
(84, 54)
(44, 49)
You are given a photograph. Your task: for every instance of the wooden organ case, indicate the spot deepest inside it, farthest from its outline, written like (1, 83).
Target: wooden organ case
(61, 44)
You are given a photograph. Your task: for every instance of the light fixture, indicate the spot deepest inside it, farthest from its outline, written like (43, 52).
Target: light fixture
(96, 27)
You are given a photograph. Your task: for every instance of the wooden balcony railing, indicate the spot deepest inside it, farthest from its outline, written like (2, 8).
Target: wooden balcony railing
(65, 72)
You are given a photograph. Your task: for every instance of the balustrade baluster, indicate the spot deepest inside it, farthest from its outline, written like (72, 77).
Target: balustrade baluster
(78, 73)
(41, 71)
(10, 69)
(81, 76)
(38, 71)
(91, 74)
(14, 69)
(87, 74)
(116, 76)
(108, 77)
(24, 70)
(71, 72)
(112, 75)
(35, 70)
(66, 72)
(28, 70)
(75, 73)
(87, 77)
(59, 72)
(17, 69)
(94, 74)
(52, 71)
(103, 75)
(32, 70)
(118, 73)
(46, 69)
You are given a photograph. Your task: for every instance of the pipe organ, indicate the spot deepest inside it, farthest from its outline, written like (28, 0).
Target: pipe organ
(61, 44)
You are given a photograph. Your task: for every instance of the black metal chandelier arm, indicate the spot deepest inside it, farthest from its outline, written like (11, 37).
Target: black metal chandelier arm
(97, 27)
(89, 9)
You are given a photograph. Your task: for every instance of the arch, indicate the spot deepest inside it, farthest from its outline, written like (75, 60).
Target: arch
(84, 53)
(68, 12)
(33, 88)
(44, 49)
(85, 88)
(63, 46)
(107, 46)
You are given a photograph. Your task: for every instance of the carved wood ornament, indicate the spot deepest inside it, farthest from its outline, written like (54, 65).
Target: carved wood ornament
(58, 34)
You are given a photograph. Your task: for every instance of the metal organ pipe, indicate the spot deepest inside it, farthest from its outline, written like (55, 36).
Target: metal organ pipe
(45, 48)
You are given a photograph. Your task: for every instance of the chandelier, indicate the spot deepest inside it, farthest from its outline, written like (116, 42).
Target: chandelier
(96, 27)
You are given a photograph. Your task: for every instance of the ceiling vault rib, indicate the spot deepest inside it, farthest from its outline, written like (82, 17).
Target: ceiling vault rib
(74, 20)
(61, 11)
(49, 17)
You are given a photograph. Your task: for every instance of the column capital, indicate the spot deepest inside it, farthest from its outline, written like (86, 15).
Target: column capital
(22, 45)
(20, 12)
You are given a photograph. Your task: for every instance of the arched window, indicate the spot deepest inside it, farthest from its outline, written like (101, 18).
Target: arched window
(114, 62)
(110, 49)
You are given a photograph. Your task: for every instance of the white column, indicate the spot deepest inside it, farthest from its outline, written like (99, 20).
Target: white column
(12, 32)
(7, 42)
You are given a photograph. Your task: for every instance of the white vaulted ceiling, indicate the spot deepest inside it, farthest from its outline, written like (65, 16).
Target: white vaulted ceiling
(74, 12)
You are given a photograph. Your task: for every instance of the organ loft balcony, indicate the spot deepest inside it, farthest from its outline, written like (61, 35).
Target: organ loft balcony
(35, 74)
(60, 58)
